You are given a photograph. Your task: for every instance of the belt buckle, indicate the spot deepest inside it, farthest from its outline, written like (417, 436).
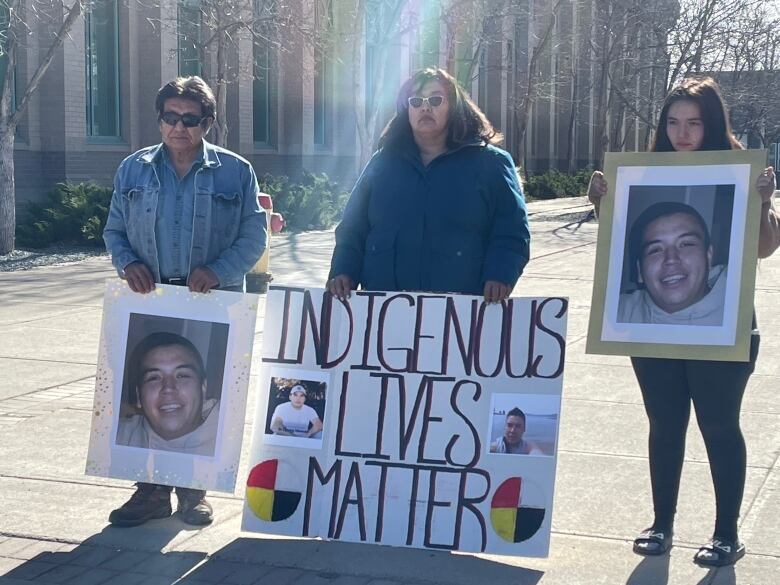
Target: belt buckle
(179, 281)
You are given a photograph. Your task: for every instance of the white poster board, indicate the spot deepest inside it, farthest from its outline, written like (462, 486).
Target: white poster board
(171, 386)
(397, 404)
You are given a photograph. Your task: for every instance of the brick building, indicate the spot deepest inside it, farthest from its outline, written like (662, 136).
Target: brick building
(314, 84)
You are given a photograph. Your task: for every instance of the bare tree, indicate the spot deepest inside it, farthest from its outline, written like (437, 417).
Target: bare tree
(221, 24)
(702, 34)
(521, 110)
(372, 31)
(20, 18)
(750, 79)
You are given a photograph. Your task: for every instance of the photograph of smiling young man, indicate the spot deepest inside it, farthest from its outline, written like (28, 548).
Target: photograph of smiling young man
(169, 391)
(671, 258)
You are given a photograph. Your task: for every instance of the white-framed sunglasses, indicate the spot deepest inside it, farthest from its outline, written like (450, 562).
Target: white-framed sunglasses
(433, 101)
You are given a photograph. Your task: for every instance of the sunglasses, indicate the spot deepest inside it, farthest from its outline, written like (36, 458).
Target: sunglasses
(433, 101)
(189, 120)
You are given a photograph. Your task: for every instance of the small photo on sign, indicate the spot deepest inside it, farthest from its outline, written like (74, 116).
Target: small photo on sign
(523, 424)
(172, 384)
(296, 409)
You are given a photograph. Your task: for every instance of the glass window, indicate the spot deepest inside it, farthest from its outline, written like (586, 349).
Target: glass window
(382, 34)
(321, 101)
(4, 24)
(482, 81)
(429, 36)
(322, 73)
(265, 33)
(261, 93)
(189, 17)
(102, 68)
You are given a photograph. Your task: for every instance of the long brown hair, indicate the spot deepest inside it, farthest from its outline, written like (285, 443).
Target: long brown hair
(705, 93)
(466, 121)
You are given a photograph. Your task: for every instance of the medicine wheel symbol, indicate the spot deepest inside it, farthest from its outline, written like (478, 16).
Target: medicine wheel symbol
(263, 496)
(512, 521)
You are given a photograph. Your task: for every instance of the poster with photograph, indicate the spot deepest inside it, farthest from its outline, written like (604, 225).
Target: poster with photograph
(676, 255)
(408, 419)
(171, 386)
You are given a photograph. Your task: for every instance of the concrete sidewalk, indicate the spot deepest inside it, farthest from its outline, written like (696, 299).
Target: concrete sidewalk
(53, 524)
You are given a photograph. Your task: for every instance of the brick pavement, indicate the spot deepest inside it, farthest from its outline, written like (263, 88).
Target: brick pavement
(53, 521)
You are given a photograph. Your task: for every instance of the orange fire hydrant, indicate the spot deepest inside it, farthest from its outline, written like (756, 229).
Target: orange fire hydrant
(258, 278)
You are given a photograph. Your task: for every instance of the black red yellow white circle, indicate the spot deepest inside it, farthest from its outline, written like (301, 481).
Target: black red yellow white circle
(264, 497)
(511, 520)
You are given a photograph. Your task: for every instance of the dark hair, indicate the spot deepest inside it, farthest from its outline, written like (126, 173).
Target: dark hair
(648, 216)
(151, 342)
(466, 121)
(188, 88)
(705, 93)
(516, 412)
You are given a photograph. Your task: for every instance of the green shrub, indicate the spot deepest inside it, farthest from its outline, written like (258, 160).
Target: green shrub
(77, 213)
(553, 184)
(72, 214)
(315, 203)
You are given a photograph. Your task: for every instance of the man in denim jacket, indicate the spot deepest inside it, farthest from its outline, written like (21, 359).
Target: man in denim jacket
(184, 212)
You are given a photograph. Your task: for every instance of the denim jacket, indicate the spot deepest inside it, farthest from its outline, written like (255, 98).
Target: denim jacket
(228, 224)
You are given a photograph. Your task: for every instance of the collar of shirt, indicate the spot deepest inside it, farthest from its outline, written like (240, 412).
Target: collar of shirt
(165, 159)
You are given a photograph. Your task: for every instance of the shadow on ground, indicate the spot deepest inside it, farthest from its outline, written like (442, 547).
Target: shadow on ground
(102, 559)
(330, 560)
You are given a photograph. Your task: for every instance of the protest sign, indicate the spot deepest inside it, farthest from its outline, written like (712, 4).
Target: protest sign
(408, 419)
(171, 385)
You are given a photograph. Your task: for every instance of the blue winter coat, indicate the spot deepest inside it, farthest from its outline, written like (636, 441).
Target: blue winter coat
(448, 227)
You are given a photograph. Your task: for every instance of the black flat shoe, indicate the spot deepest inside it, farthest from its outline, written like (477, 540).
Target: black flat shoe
(719, 553)
(652, 543)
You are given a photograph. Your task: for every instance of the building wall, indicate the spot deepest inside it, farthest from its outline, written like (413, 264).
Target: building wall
(53, 146)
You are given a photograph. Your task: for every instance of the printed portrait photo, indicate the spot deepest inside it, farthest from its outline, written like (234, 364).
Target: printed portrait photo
(296, 409)
(523, 424)
(673, 264)
(172, 385)
(676, 255)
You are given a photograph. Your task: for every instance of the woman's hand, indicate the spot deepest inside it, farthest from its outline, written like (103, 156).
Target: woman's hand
(597, 188)
(496, 291)
(340, 286)
(769, 231)
(765, 184)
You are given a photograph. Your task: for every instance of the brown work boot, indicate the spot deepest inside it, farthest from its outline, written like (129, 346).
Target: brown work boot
(193, 507)
(150, 501)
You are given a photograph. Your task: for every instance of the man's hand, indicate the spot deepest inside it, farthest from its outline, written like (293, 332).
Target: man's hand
(340, 286)
(139, 278)
(202, 280)
(496, 291)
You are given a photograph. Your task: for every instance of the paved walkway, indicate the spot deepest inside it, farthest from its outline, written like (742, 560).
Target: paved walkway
(53, 526)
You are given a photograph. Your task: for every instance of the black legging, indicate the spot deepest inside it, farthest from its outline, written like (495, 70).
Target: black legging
(716, 389)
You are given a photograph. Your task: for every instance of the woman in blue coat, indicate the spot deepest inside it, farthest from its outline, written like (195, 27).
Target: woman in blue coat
(439, 207)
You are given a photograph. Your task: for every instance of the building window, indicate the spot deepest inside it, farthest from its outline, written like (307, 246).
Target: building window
(382, 67)
(102, 68)
(482, 81)
(189, 25)
(4, 24)
(262, 82)
(323, 20)
(774, 154)
(428, 41)
(321, 101)
(261, 93)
